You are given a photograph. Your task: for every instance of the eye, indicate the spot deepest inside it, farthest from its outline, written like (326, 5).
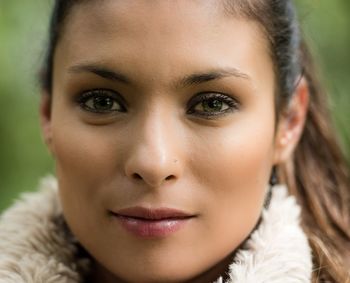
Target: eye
(101, 101)
(212, 104)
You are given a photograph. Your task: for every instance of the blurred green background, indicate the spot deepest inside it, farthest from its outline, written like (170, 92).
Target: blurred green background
(23, 156)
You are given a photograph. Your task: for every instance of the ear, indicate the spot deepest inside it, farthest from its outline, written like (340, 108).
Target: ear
(291, 123)
(45, 120)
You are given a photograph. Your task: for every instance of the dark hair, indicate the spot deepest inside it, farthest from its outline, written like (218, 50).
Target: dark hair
(59, 13)
(317, 174)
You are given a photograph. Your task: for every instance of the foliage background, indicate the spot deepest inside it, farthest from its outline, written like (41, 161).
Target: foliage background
(23, 156)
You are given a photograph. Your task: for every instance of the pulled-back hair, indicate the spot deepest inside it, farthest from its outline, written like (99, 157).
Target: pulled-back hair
(317, 174)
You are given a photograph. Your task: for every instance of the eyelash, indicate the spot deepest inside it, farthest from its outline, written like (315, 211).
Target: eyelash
(201, 99)
(84, 98)
(232, 104)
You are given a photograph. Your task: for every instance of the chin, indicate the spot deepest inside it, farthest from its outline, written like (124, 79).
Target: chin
(161, 274)
(145, 276)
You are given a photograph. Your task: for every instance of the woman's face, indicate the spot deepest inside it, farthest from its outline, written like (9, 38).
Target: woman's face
(162, 127)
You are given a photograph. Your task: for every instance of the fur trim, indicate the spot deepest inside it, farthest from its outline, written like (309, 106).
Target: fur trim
(278, 251)
(36, 246)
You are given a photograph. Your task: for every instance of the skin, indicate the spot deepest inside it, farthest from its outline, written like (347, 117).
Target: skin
(155, 153)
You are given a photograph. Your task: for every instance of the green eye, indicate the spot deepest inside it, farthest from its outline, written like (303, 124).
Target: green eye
(102, 104)
(212, 104)
(101, 101)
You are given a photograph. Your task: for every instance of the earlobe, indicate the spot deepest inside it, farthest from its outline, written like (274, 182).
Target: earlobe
(292, 123)
(45, 120)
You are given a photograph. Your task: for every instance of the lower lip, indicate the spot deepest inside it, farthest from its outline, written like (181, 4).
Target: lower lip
(152, 228)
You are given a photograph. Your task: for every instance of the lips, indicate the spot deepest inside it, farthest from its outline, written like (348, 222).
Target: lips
(151, 223)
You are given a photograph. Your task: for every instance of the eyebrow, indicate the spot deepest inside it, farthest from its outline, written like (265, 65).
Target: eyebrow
(101, 72)
(188, 80)
(216, 74)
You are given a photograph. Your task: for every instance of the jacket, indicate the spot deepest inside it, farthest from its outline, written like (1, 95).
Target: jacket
(36, 245)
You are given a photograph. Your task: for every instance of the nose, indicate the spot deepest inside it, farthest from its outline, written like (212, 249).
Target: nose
(153, 157)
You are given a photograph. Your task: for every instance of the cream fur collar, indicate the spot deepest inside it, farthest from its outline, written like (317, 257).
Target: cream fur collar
(36, 247)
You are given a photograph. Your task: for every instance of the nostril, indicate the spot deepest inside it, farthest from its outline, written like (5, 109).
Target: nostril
(170, 177)
(137, 176)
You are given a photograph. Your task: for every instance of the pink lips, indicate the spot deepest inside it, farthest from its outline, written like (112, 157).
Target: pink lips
(148, 223)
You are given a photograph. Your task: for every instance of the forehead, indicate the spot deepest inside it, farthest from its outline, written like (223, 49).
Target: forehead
(159, 14)
(165, 36)
(144, 19)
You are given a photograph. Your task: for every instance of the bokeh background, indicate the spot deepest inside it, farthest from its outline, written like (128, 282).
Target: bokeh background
(23, 24)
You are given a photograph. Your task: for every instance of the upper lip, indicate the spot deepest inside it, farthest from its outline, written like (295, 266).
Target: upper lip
(152, 213)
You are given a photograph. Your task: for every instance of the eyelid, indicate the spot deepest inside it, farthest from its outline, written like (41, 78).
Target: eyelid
(202, 96)
(83, 96)
(102, 91)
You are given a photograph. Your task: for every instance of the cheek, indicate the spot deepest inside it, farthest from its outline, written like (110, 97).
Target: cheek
(234, 175)
(239, 156)
(82, 152)
(86, 160)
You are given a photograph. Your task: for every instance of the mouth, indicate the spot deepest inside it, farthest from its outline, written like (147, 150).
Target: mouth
(152, 223)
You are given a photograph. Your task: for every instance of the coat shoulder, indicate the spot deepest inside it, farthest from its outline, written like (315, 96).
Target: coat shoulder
(35, 243)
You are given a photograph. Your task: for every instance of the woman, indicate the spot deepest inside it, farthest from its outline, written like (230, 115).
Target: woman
(171, 123)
